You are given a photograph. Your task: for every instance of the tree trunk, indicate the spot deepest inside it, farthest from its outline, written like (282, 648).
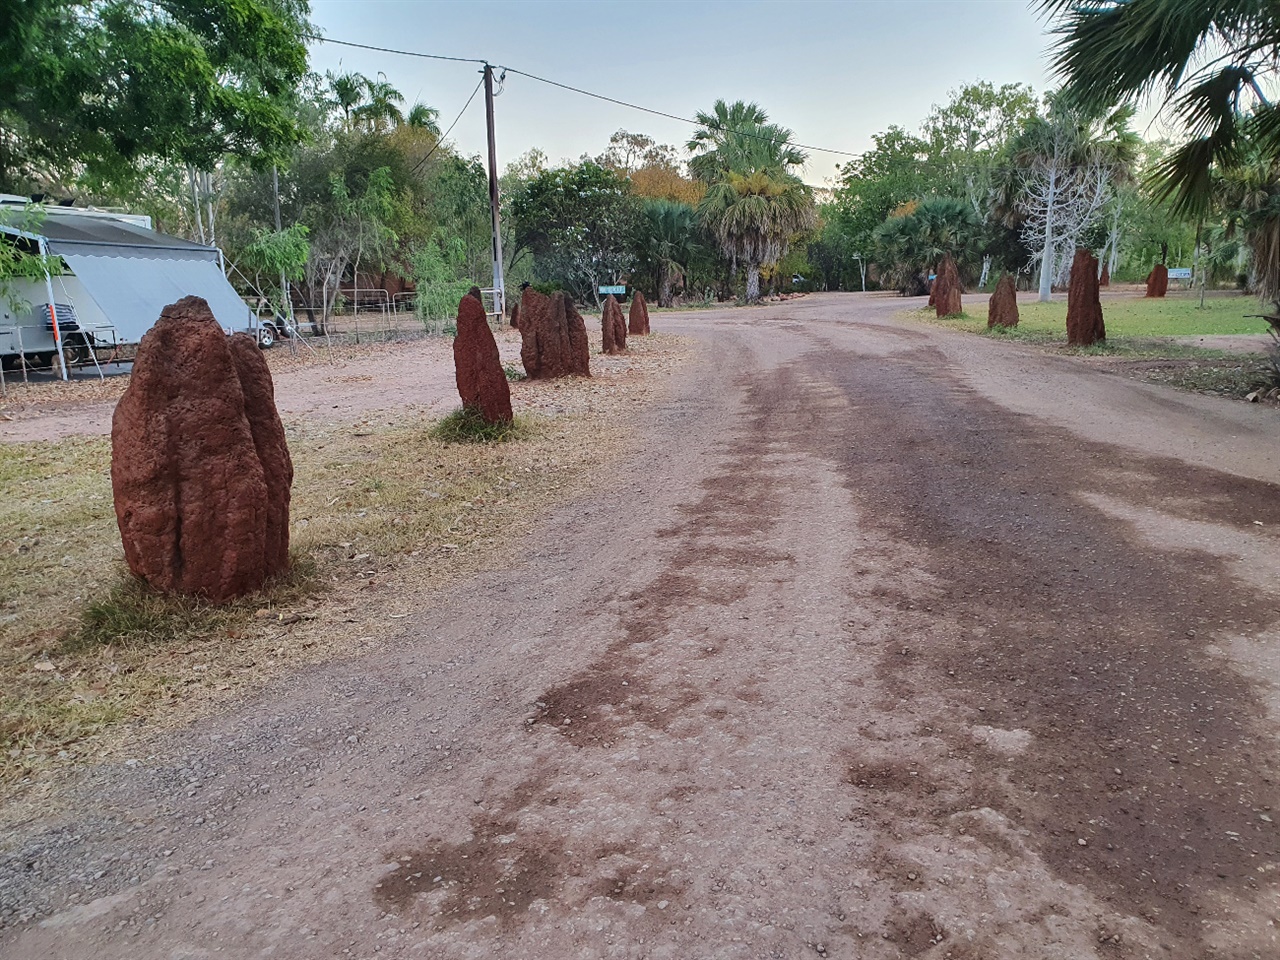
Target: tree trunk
(1046, 260)
(664, 286)
(753, 282)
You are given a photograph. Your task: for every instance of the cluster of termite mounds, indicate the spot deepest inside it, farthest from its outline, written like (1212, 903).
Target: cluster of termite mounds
(200, 469)
(1002, 309)
(613, 328)
(944, 296)
(1084, 306)
(482, 383)
(1158, 281)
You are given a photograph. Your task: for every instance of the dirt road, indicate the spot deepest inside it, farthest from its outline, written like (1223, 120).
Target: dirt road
(887, 642)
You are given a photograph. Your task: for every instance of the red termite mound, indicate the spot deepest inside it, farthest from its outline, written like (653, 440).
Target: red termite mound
(1002, 310)
(1158, 281)
(613, 327)
(1084, 308)
(639, 315)
(947, 289)
(553, 337)
(515, 314)
(200, 469)
(482, 383)
(1105, 279)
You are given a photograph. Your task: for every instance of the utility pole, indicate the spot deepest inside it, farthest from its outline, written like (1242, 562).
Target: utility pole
(499, 292)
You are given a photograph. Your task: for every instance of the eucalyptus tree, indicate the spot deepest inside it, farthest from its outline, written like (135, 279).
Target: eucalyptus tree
(1060, 176)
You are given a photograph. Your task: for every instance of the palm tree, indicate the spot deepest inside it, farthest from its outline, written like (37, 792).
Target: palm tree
(739, 137)
(755, 204)
(424, 118)
(919, 237)
(382, 104)
(346, 93)
(669, 242)
(1113, 51)
(754, 217)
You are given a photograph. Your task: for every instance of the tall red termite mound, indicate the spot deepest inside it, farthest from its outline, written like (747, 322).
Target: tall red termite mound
(1084, 308)
(613, 327)
(482, 383)
(639, 315)
(1158, 281)
(1105, 279)
(1002, 309)
(947, 289)
(553, 337)
(200, 469)
(579, 344)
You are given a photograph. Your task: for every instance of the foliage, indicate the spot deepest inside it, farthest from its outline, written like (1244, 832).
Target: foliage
(279, 252)
(579, 222)
(668, 244)
(909, 244)
(435, 272)
(1113, 51)
(20, 258)
(104, 84)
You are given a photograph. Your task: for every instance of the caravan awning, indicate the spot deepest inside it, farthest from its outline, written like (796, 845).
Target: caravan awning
(134, 273)
(132, 290)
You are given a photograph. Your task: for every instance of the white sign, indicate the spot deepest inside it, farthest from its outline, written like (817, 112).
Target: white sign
(1179, 273)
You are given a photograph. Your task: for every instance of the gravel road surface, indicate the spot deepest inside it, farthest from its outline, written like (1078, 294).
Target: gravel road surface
(885, 642)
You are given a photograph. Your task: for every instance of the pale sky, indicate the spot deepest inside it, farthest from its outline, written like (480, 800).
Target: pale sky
(834, 71)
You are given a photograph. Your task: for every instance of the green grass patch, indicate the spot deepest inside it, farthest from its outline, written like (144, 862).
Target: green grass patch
(514, 373)
(1129, 317)
(468, 425)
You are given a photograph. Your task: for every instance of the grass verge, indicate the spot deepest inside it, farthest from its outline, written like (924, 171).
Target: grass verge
(384, 515)
(1140, 340)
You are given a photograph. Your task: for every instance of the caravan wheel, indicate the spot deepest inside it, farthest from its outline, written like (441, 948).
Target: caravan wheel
(267, 336)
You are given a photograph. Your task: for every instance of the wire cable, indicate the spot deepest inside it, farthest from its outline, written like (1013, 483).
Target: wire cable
(417, 166)
(672, 116)
(403, 53)
(585, 93)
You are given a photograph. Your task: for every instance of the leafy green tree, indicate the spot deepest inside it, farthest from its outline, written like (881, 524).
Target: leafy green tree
(893, 172)
(103, 84)
(579, 223)
(275, 256)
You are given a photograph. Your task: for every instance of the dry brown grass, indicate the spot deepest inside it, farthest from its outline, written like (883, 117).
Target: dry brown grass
(383, 517)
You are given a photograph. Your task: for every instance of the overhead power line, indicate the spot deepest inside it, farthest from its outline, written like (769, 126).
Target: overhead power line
(402, 53)
(587, 93)
(444, 135)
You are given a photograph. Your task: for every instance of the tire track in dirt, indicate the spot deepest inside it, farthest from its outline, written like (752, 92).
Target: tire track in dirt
(1149, 776)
